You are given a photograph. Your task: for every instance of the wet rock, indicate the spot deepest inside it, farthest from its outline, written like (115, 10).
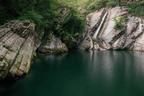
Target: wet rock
(16, 48)
(52, 45)
(113, 29)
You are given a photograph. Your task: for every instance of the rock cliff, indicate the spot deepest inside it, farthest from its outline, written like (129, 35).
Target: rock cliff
(16, 48)
(113, 29)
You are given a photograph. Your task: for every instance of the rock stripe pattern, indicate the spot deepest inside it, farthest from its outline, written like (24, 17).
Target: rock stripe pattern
(113, 29)
(16, 48)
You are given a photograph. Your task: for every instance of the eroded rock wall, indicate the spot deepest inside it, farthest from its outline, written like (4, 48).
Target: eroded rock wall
(113, 29)
(16, 48)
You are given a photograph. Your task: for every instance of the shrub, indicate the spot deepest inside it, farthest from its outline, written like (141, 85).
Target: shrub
(35, 17)
(136, 8)
(96, 4)
(112, 3)
(120, 22)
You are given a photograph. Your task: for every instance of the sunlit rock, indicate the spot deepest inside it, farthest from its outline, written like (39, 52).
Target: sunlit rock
(52, 44)
(16, 48)
(113, 29)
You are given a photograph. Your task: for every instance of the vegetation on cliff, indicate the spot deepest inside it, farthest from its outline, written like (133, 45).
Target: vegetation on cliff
(47, 14)
(59, 25)
(135, 7)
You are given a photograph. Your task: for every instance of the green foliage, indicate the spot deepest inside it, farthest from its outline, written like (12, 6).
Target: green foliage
(96, 4)
(3, 15)
(112, 3)
(47, 16)
(136, 8)
(73, 26)
(120, 22)
(34, 17)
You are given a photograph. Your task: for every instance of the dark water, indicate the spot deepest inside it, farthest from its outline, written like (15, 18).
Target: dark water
(83, 74)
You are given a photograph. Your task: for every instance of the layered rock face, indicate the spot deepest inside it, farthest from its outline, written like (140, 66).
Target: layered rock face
(16, 48)
(52, 45)
(113, 29)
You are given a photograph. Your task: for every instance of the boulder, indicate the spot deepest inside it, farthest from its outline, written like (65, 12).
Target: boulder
(16, 48)
(113, 29)
(52, 45)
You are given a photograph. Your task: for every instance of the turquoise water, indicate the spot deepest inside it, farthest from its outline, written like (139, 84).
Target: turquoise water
(83, 74)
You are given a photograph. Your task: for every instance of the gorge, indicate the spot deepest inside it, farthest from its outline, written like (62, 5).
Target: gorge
(67, 48)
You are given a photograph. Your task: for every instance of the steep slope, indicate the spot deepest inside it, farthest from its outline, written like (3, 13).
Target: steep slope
(114, 29)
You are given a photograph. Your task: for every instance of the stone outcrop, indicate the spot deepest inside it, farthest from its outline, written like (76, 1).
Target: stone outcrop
(52, 45)
(113, 29)
(16, 48)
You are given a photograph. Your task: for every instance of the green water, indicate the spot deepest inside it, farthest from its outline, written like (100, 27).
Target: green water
(83, 74)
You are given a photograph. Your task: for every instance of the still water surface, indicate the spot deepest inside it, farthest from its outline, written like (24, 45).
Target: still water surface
(84, 74)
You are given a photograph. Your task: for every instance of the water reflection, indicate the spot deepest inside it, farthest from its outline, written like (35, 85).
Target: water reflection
(100, 63)
(113, 68)
(109, 63)
(79, 73)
